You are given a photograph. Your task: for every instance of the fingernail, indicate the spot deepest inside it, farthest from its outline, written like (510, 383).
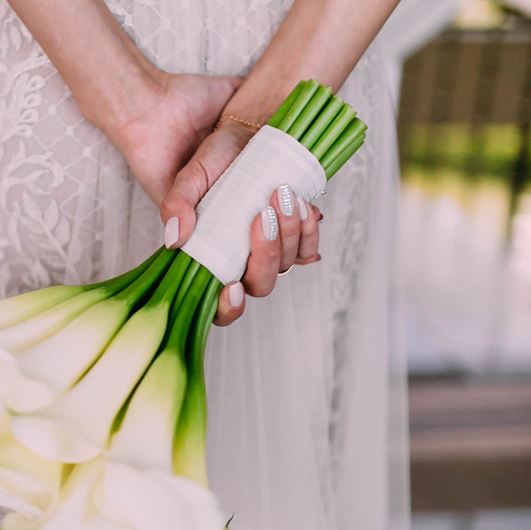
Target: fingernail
(285, 199)
(269, 223)
(236, 294)
(303, 209)
(171, 232)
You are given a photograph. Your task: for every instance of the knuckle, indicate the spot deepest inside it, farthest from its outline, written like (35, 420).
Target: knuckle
(306, 253)
(309, 227)
(311, 241)
(309, 246)
(289, 230)
(193, 180)
(259, 290)
(272, 253)
(169, 207)
(285, 265)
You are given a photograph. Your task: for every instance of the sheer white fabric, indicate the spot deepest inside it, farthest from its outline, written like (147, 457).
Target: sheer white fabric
(306, 391)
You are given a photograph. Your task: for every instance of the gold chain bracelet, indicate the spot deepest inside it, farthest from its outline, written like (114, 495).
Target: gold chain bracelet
(236, 119)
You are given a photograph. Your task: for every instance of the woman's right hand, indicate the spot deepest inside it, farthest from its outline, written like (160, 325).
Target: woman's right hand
(285, 233)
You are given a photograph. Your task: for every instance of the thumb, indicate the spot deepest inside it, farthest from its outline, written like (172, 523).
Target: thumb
(193, 181)
(178, 207)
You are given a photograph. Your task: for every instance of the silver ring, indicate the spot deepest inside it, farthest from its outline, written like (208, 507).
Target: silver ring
(287, 271)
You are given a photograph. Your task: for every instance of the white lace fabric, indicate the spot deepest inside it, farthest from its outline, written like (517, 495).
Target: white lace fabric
(307, 423)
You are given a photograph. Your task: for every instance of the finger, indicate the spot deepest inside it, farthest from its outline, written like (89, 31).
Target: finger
(309, 238)
(313, 259)
(192, 182)
(283, 200)
(264, 262)
(318, 213)
(231, 304)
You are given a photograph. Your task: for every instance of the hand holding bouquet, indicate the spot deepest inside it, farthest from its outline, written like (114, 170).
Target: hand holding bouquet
(102, 394)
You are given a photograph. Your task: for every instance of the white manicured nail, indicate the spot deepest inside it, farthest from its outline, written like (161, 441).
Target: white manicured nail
(269, 223)
(285, 199)
(236, 294)
(171, 232)
(303, 209)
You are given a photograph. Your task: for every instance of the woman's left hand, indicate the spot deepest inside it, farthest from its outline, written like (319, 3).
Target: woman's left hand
(174, 116)
(284, 234)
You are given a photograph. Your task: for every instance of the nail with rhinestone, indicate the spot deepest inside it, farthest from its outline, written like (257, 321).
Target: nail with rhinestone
(269, 223)
(285, 199)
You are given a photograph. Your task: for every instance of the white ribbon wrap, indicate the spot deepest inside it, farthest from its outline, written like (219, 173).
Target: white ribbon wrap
(221, 239)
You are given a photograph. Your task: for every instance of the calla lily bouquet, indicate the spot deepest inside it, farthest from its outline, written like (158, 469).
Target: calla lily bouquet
(103, 411)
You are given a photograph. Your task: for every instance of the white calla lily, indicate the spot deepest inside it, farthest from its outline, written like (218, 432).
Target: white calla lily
(151, 416)
(106, 495)
(156, 500)
(30, 317)
(22, 307)
(42, 325)
(28, 483)
(57, 362)
(35, 374)
(18, 308)
(76, 426)
(12, 384)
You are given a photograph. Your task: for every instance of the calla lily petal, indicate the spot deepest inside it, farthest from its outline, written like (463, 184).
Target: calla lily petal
(28, 483)
(151, 416)
(60, 360)
(42, 325)
(76, 426)
(18, 308)
(14, 499)
(175, 503)
(105, 495)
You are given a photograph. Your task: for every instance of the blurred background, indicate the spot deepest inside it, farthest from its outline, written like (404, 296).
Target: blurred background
(461, 72)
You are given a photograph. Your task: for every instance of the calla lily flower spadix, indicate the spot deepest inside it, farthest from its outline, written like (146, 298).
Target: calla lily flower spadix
(102, 390)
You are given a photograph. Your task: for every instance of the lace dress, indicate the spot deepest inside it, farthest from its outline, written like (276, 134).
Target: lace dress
(307, 422)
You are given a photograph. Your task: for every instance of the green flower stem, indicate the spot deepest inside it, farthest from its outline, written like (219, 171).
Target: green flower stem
(286, 105)
(321, 123)
(191, 271)
(123, 280)
(310, 111)
(169, 287)
(304, 97)
(190, 438)
(142, 286)
(355, 129)
(338, 125)
(342, 159)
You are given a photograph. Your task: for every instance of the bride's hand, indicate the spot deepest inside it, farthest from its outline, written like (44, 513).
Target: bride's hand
(294, 240)
(174, 116)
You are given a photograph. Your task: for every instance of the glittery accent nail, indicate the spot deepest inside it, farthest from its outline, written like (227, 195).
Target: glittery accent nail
(285, 199)
(269, 223)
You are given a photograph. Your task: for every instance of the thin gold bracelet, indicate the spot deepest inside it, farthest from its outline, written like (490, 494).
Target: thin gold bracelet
(236, 119)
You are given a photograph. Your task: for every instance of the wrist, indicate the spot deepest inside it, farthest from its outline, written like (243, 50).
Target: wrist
(123, 95)
(256, 101)
(239, 133)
